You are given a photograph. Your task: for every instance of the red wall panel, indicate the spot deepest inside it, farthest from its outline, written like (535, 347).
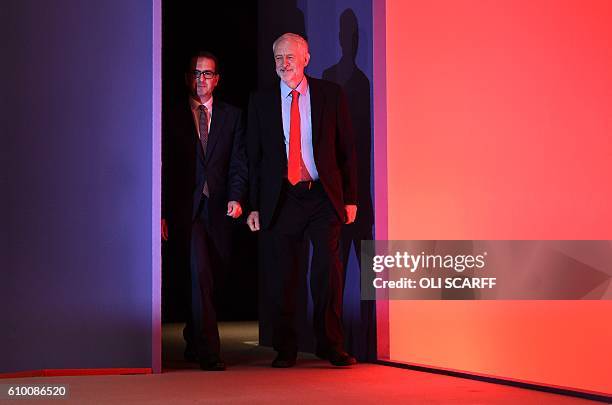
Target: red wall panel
(499, 126)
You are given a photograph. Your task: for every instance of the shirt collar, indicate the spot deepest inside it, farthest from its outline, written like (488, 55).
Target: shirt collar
(302, 88)
(196, 104)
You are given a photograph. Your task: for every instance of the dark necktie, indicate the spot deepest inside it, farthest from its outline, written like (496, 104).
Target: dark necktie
(203, 124)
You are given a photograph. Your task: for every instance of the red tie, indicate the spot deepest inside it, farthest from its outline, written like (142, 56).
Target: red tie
(295, 141)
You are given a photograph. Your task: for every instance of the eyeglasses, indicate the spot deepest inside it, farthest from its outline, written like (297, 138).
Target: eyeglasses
(208, 74)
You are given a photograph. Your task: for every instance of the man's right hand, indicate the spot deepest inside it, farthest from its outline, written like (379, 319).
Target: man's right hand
(253, 221)
(164, 230)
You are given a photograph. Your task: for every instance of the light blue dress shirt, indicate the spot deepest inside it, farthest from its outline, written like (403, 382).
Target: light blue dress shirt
(305, 125)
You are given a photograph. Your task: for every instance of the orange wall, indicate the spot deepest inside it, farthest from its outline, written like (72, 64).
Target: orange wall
(499, 126)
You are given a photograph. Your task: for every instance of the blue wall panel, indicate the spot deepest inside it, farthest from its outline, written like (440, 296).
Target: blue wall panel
(76, 184)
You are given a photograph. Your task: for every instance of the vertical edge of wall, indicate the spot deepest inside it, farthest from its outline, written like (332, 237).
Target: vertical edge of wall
(156, 335)
(380, 159)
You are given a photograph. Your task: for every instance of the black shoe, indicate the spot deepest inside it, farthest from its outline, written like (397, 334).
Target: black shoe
(284, 360)
(213, 364)
(341, 358)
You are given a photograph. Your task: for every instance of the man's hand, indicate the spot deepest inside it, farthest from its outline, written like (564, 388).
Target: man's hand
(234, 209)
(350, 212)
(253, 221)
(164, 230)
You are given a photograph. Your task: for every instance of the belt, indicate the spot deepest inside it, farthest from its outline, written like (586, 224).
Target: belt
(308, 185)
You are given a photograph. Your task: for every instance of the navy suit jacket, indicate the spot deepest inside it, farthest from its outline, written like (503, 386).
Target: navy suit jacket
(185, 169)
(333, 146)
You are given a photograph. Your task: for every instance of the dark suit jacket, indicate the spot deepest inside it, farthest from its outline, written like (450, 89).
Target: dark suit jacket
(184, 168)
(333, 146)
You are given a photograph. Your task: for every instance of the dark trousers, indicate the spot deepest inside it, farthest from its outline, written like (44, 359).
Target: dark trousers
(306, 209)
(201, 331)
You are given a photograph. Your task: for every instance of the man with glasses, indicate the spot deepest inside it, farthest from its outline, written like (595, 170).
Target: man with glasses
(204, 182)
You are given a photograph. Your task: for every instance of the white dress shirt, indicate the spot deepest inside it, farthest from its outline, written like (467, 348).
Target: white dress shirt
(305, 124)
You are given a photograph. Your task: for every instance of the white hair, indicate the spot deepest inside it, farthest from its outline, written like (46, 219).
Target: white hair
(291, 36)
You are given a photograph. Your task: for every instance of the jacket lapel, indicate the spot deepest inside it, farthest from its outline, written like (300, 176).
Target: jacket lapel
(316, 110)
(194, 139)
(277, 121)
(216, 123)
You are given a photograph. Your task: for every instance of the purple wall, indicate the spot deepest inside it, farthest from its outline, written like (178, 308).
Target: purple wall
(77, 171)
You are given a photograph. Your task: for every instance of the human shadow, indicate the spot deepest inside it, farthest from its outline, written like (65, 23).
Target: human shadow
(276, 17)
(356, 85)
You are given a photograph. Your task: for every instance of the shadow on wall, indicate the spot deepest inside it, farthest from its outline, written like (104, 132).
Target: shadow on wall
(360, 327)
(276, 18)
